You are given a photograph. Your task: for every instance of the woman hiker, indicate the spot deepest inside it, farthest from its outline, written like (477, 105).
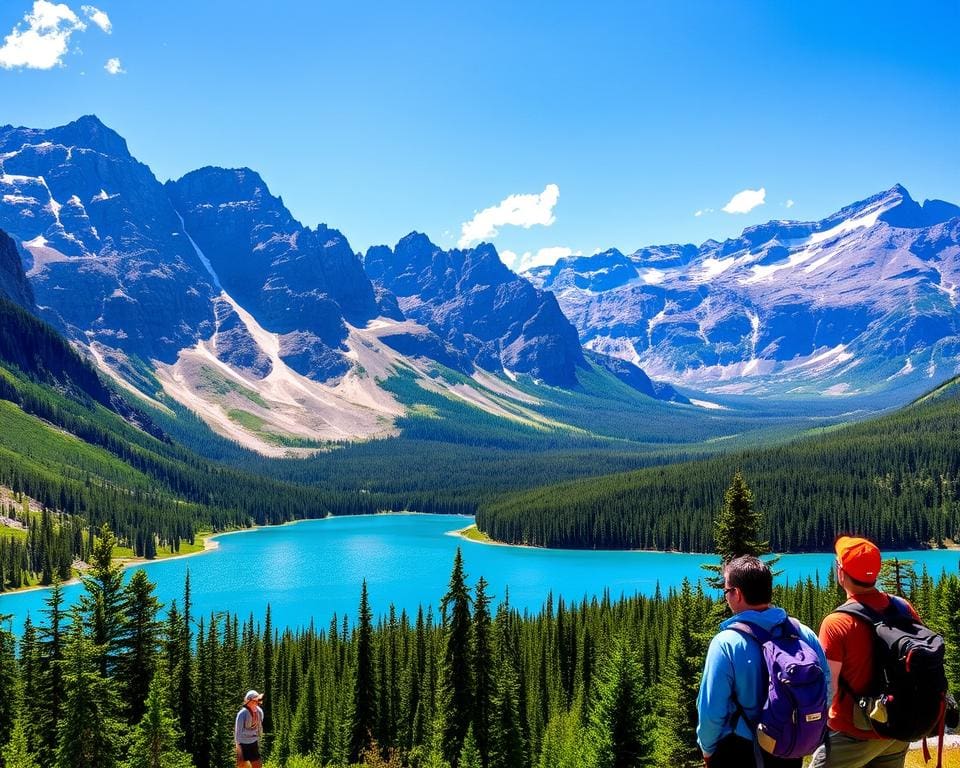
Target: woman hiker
(248, 731)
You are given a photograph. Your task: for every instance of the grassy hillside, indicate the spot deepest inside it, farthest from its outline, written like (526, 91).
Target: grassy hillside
(894, 478)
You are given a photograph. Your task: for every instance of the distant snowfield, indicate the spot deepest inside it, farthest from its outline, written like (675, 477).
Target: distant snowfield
(708, 405)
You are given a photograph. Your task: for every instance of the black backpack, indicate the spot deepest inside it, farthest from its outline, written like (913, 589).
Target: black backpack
(907, 694)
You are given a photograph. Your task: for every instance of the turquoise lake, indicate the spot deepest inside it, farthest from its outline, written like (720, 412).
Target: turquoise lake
(310, 570)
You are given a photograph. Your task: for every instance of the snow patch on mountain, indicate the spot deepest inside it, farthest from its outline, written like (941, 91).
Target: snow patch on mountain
(200, 255)
(821, 361)
(817, 242)
(710, 406)
(905, 371)
(713, 268)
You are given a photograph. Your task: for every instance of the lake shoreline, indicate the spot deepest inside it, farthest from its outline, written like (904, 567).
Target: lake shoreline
(463, 534)
(211, 544)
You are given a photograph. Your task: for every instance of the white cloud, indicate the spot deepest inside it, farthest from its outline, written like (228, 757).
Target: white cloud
(789, 203)
(703, 211)
(113, 67)
(40, 41)
(98, 17)
(545, 257)
(746, 201)
(517, 210)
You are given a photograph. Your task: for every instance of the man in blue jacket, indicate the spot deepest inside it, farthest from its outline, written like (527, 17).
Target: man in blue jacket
(734, 670)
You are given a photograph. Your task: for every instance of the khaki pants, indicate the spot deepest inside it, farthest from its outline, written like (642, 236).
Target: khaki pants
(843, 751)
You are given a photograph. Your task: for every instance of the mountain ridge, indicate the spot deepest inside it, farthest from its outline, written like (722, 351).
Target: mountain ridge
(786, 306)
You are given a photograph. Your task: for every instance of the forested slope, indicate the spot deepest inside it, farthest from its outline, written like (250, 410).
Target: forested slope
(894, 479)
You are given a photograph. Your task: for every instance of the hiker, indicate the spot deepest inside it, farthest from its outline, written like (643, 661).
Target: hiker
(736, 694)
(248, 730)
(867, 727)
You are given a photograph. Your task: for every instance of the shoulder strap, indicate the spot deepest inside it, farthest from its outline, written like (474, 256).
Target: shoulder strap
(898, 606)
(873, 619)
(786, 628)
(748, 629)
(861, 611)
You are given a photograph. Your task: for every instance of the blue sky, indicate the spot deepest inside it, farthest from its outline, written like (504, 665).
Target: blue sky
(603, 126)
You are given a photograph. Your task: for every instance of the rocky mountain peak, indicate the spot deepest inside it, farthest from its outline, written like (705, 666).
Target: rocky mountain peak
(225, 187)
(473, 302)
(300, 283)
(102, 245)
(88, 132)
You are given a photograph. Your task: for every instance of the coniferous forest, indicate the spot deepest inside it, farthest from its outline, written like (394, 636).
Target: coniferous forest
(895, 479)
(120, 680)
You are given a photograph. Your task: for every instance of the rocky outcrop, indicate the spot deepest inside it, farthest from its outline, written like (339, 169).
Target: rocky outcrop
(235, 346)
(304, 284)
(13, 281)
(634, 377)
(476, 305)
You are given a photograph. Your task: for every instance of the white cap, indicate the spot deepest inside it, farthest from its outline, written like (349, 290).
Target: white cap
(252, 695)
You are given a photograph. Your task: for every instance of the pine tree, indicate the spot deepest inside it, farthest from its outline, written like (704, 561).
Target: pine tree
(17, 754)
(9, 684)
(138, 644)
(470, 754)
(154, 740)
(268, 680)
(561, 746)
(49, 703)
(31, 685)
(620, 732)
(183, 673)
(103, 602)
(681, 683)
(508, 746)
(896, 576)
(365, 693)
(89, 731)
(736, 529)
(456, 685)
(483, 683)
(305, 732)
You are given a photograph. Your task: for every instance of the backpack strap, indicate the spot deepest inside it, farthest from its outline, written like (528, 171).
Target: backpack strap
(896, 609)
(869, 616)
(759, 636)
(861, 611)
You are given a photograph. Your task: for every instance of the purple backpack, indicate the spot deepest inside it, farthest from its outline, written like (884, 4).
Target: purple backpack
(793, 720)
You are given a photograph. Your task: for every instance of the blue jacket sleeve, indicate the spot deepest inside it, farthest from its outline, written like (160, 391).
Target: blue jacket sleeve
(716, 696)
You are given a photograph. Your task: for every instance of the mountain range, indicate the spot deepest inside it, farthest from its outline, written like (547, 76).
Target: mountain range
(864, 299)
(206, 290)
